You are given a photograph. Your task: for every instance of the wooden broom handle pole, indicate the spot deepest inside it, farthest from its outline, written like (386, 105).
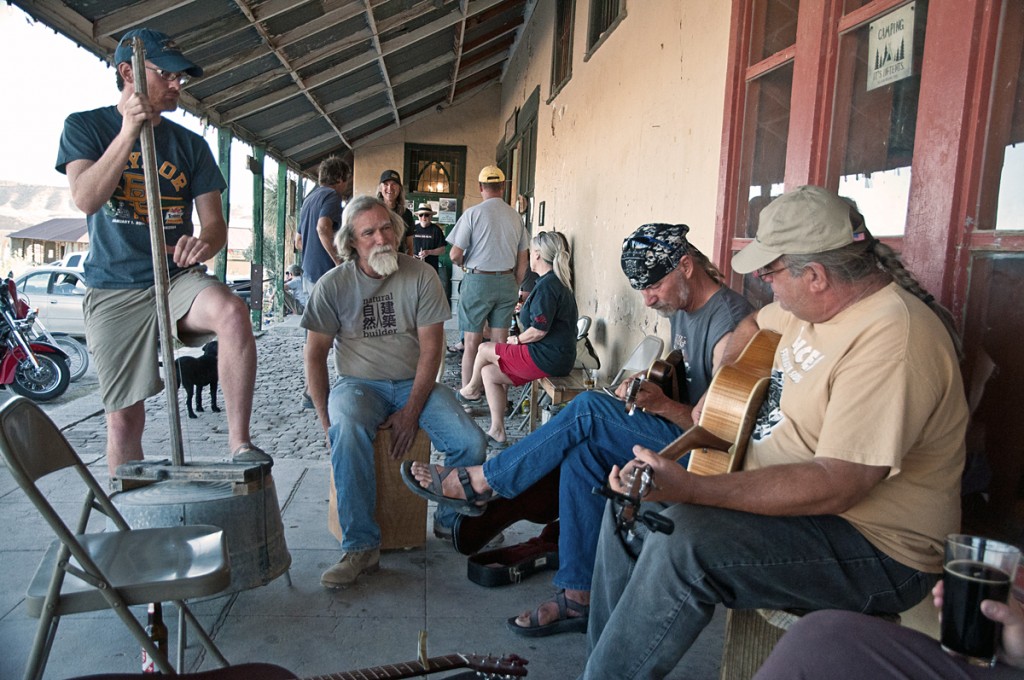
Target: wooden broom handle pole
(161, 278)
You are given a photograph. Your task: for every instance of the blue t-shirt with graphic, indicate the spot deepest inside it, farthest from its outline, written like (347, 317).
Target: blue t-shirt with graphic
(119, 242)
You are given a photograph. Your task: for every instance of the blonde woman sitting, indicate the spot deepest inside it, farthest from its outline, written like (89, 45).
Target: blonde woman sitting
(545, 347)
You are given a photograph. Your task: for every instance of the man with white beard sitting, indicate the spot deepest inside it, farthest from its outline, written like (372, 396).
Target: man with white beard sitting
(384, 313)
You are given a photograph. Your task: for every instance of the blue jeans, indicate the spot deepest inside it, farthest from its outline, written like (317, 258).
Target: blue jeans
(586, 439)
(644, 615)
(355, 409)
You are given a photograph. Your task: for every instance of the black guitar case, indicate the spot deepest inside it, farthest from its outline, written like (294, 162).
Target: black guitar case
(511, 564)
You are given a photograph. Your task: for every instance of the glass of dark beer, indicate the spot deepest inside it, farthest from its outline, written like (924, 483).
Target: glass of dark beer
(975, 569)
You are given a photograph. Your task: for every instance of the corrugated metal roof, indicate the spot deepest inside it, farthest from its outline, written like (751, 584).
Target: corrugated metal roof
(308, 78)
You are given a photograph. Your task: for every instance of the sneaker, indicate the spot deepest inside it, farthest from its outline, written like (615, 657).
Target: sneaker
(348, 569)
(250, 453)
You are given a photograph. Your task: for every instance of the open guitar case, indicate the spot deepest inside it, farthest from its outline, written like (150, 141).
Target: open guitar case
(511, 564)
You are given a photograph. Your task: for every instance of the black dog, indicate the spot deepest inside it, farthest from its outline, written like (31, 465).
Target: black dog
(194, 373)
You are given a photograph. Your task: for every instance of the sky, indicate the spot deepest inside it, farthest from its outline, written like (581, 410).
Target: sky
(47, 76)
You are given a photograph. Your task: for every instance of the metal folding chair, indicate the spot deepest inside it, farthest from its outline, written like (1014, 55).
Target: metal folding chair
(644, 354)
(83, 572)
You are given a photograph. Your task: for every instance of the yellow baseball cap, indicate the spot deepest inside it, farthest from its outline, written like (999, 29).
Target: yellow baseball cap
(491, 174)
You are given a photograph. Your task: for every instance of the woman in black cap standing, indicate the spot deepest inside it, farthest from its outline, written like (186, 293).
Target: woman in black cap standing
(392, 193)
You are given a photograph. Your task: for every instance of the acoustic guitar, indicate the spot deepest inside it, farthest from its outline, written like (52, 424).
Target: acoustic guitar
(670, 375)
(718, 442)
(507, 666)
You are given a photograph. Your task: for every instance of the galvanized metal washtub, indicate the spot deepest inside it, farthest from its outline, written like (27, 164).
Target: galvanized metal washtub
(248, 513)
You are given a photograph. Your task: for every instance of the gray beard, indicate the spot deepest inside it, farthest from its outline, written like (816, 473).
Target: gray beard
(384, 262)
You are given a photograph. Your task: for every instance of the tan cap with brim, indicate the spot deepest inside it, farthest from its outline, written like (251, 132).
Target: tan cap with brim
(806, 220)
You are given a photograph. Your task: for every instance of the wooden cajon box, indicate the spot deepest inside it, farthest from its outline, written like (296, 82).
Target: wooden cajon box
(401, 515)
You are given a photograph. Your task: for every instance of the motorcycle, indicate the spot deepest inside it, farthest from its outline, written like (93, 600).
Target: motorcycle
(36, 370)
(78, 357)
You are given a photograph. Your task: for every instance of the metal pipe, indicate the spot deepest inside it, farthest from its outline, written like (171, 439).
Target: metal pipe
(161, 279)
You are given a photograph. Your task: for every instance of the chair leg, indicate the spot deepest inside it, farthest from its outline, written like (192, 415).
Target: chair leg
(201, 632)
(182, 642)
(41, 646)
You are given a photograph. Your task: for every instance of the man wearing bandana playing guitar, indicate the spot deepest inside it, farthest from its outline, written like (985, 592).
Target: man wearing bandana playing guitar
(852, 476)
(593, 432)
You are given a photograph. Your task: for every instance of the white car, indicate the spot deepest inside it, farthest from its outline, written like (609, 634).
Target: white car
(57, 293)
(74, 261)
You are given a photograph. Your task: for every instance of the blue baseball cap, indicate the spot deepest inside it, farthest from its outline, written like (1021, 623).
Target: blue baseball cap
(160, 49)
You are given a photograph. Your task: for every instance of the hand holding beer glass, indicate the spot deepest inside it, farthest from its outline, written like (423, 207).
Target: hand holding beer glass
(975, 569)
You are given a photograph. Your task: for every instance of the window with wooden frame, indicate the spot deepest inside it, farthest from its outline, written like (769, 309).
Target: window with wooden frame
(993, 483)
(561, 53)
(878, 80)
(605, 15)
(435, 169)
(766, 119)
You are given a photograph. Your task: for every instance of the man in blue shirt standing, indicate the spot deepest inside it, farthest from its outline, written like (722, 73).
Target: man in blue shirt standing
(100, 152)
(319, 220)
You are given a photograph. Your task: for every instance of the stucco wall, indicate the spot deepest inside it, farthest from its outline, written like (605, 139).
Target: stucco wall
(634, 137)
(474, 124)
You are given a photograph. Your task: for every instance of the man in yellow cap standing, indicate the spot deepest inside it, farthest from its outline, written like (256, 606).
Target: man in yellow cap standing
(491, 245)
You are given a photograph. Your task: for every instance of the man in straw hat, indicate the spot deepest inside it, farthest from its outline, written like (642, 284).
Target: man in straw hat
(852, 477)
(100, 151)
(428, 238)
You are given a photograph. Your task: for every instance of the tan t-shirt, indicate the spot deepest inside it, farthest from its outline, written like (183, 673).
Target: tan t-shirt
(877, 384)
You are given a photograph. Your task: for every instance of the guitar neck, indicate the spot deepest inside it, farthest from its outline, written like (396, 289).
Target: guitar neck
(409, 669)
(694, 438)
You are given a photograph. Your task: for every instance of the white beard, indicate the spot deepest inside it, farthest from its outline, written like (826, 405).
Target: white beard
(383, 260)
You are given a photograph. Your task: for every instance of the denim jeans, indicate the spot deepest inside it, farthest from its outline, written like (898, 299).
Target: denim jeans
(356, 408)
(644, 615)
(586, 438)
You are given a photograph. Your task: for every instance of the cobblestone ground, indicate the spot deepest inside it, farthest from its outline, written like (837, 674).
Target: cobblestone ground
(279, 423)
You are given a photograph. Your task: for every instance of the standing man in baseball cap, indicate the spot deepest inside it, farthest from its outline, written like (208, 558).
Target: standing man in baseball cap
(491, 245)
(851, 480)
(100, 152)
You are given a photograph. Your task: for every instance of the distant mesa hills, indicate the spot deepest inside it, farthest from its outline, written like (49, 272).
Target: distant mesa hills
(24, 205)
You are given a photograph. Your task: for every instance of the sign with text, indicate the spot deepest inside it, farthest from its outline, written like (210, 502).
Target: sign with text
(891, 47)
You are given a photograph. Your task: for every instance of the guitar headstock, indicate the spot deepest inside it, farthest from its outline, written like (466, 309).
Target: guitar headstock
(508, 666)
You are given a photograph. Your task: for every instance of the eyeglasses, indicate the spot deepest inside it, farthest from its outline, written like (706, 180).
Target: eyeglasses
(179, 77)
(762, 273)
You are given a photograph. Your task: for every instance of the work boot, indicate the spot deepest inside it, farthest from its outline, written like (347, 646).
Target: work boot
(351, 565)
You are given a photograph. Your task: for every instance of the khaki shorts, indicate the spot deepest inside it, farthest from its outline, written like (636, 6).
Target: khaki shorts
(487, 297)
(123, 334)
